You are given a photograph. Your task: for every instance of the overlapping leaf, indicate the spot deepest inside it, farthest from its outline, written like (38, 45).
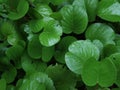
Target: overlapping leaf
(79, 52)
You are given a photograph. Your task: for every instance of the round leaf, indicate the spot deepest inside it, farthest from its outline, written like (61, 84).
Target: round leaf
(79, 52)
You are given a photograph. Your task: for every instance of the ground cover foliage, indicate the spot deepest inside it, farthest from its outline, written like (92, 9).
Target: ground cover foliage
(59, 45)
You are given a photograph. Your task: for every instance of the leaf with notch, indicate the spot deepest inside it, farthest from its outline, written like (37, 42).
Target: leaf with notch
(75, 18)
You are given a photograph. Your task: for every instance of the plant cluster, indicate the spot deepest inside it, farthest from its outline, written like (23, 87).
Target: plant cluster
(59, 45)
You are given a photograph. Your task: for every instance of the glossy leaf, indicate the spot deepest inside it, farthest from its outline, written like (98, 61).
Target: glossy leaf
(75, 18)
(109, 10)
(102, 32)
(79, 52)
(51, 34)
(34, 47)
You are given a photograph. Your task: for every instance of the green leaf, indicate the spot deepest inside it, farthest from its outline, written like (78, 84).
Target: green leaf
(109, 50)
(100, 31)
(34, 47)
(14, 52)
(109, 10)
(2, 84)
(57, 72)
(90, 72)
(30, 65)
(36, 81)
(47, 53)
(116, 60)
(57, 2)
(62, 48)
(10, 87)
(79, 52)
(10, 74)
(116, 89)
(43, 9)
(102, 73)
(75, 18)
(51, 34)
(7, 28)
(21, 10)
(36, 25)
(91, 8)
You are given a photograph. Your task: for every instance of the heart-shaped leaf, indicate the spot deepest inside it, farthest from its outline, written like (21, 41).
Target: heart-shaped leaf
(79, 52)
(75, 18)
(102, 73)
